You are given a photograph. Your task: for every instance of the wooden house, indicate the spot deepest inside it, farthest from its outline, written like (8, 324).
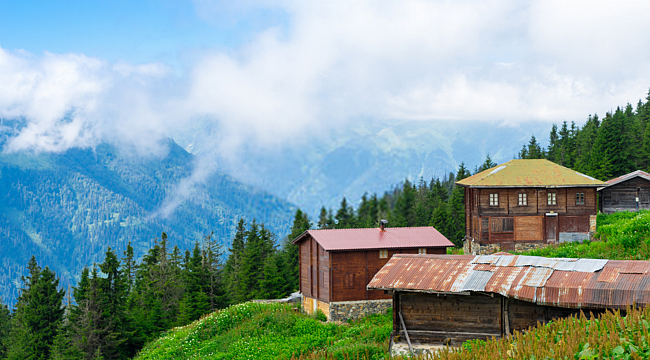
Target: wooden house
(337, 264)
(630, 192)
(527, 203)
(448, 299)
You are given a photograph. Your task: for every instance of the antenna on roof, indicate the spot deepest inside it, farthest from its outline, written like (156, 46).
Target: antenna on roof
(382, 224)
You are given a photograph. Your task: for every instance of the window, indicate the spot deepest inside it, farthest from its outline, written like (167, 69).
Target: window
(552, 199)
(422, 251)
(523, 200)
(580, 198)
(494, 199)
(383, 254)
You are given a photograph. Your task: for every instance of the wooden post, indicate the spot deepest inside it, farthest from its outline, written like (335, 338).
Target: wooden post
(406, 334)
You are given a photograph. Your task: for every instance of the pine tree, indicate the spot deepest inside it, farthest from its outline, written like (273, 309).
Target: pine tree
(488, 163)
(39, 313)
(5, 327)
(344, 216)
(235, 286)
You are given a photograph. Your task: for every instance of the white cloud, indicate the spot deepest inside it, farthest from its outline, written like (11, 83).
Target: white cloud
(340, 60)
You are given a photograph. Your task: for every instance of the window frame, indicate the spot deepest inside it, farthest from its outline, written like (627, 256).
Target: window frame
(422, 251)
(494, 199)
(551, 199)
(580, 199)
(522, 199)
(383, 254)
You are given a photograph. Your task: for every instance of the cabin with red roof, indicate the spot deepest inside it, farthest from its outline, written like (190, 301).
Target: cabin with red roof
(630, 192)
(336, 265)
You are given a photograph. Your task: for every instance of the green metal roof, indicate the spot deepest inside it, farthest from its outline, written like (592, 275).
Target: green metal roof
(529, 173)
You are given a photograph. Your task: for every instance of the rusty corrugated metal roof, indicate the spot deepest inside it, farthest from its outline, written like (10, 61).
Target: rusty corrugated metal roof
(374, 238)
(572, 283)
(529, 173)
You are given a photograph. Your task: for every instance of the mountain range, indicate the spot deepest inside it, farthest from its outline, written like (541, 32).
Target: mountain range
(67, 208)
(369, 157)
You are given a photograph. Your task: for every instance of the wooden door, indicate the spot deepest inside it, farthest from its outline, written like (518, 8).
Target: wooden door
(551, 228)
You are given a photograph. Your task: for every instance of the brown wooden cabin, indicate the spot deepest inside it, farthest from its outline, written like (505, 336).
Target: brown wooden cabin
(528, 201)
(337, 264)
(630, 192)
(448, 299)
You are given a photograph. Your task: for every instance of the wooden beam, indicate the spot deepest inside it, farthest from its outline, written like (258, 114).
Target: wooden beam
(406, 334)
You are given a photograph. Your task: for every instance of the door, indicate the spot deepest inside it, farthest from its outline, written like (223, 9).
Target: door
(551, 227)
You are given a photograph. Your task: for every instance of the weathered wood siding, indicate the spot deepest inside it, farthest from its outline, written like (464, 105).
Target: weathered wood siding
(622, 197)
(351, 271)
(486, 223)
(314, 270)
(452, 319)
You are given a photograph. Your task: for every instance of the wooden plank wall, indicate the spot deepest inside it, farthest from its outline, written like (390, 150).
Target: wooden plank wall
(622, 197)
(351, 272)
(529, 221)
(452, 319)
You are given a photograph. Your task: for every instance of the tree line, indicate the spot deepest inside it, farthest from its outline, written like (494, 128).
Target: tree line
(438, 203)
(119, 305)
(606, 148)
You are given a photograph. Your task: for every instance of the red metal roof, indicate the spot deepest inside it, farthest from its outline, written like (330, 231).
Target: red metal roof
(374, 238)
(571, 283)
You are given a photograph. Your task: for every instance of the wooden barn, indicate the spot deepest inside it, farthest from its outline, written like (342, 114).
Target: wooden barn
(523, 204)
(630, 192)
(337, 264)
(448, 299)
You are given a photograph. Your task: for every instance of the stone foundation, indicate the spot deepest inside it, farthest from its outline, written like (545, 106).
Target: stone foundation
(345, 310)
(350, 310)
(487, 249)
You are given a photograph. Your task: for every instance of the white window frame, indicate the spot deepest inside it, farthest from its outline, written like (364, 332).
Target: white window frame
(494, 199)
(551, 199)
(523, 199)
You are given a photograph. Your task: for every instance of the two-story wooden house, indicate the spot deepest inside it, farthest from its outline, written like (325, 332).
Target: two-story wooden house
(524, 204)
(337, 264)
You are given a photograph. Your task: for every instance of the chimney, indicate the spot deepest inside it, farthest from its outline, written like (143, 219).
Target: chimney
(382, 224)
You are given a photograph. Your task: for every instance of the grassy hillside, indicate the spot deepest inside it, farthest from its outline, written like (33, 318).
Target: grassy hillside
(271, 331)
(67, 208)
(623, 235)
(263, 331)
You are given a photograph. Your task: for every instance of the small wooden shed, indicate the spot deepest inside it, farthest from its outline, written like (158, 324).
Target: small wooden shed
(337, 264)
(448, 299)
(630, 192)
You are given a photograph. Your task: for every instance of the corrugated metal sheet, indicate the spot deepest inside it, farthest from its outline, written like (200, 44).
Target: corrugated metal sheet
(476, 281)
(529, 173)
(573, 283)
(374, 238)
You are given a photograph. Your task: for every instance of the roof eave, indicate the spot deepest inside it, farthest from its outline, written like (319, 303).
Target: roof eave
(532, 186)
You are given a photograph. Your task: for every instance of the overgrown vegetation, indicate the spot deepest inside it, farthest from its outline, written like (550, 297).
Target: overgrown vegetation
(610, 336)
(623, 235)
(271, 331)
(275, 331)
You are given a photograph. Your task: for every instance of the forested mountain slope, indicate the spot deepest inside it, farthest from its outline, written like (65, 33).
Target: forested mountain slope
(67, 208)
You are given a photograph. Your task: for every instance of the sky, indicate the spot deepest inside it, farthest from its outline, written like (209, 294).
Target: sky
(76, 73)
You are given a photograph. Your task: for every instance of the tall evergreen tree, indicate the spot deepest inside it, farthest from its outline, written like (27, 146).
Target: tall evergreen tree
(39, 312)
